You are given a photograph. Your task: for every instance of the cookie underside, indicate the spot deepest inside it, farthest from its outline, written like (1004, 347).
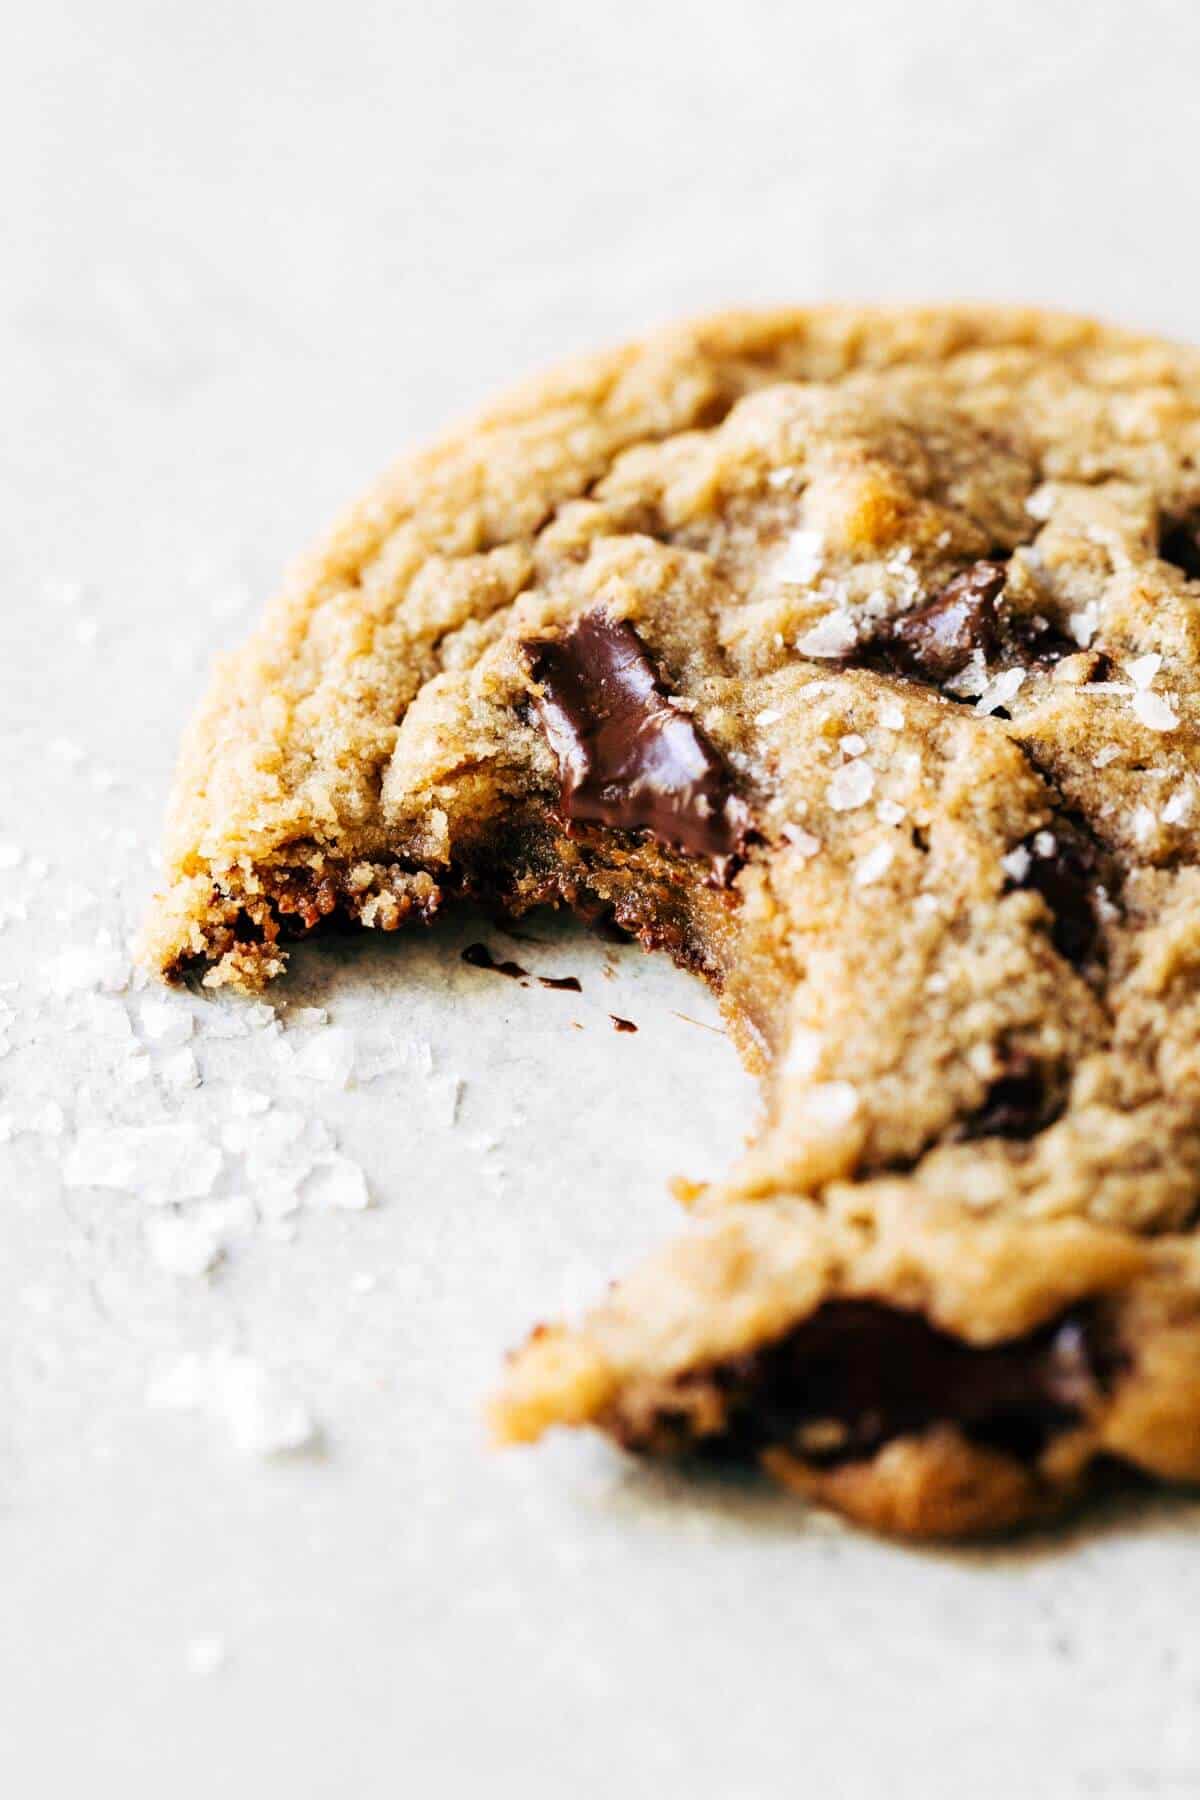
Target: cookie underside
(850, 657)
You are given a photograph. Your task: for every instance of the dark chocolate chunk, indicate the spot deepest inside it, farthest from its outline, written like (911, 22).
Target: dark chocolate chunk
(1017, 1103)
(628, 755)
(1179, 543)
(939, 638)
(858, 1373)
(1064, 873)
(622, 1024)
(562, 984)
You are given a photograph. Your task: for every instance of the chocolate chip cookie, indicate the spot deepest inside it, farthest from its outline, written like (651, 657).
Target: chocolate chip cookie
(853, 658)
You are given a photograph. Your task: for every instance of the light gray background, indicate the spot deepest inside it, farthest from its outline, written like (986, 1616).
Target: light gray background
(250, 251)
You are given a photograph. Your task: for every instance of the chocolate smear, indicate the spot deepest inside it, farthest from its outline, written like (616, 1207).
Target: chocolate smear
(628, 755)
(480, 957)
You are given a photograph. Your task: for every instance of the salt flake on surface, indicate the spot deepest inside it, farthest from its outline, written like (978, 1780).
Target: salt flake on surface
(167, 1162)
(183, 1246)
(852, 744)
(1153, 711)
(259, 1409)
(338, 1185)
(874, 865)
(891, 716)
(1178, 807)
(247, 1103)
(999, 692)
(206, 1655)
(307, 1015)
(850, 786)
(801, 841)
(1142, 670)
(1017, 864)
(326, 1056)
(166, 1022)
(800, 560)
(1045, 843)
(81, 968)
(1084, 624)
(180, 1071)
(889, 812)
(833, 636)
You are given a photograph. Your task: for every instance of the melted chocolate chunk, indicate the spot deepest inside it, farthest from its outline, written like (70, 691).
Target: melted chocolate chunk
(622, 1024)
(562, 984)
(628, 755)
(1064, 872)
(939, 638)
(858, 1373)
(1179, 543)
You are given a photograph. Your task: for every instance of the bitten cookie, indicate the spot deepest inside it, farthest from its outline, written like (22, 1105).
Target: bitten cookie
(853, 658)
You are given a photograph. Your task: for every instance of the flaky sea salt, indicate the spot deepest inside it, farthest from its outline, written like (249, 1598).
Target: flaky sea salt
(307, 1015)
(1178, 807)
(1153, 711)
(889, 812)
(259, 1409)
(166, 1022)
(891, 716)
(206, 1655)
(800, 560)
(326, 1056)
(337, 1185)
(180, 1071)
(83, 967)
(833, 636)
(801, 841)
(183, 1246)
(874, 865)
(999, 692)
(247, 1103)
(850, 786)
(167, 1162)
(1017, 864)
(1084, 624)
(971, 680)
(1142, 670)
(852, 744)
(1045, 843)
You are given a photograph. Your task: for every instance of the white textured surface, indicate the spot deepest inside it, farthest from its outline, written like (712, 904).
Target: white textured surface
(250, 251)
